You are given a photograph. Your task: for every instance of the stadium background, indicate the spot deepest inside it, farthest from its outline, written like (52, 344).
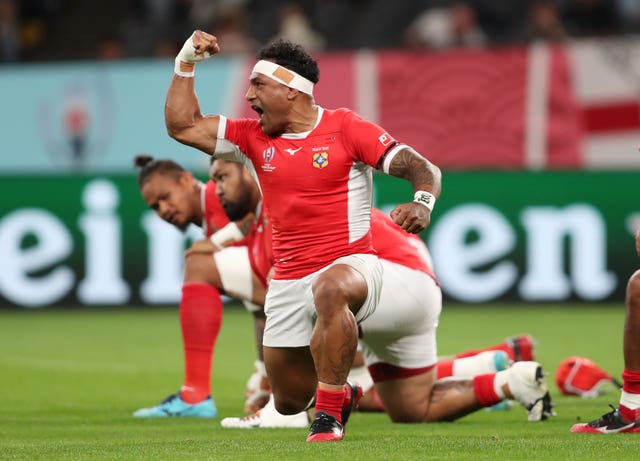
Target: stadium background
(531, 108)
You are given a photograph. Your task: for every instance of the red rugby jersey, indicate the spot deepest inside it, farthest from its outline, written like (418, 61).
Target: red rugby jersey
(395, 245)
(260, 250)
(316, 185)
(214, 217)
(388, 239)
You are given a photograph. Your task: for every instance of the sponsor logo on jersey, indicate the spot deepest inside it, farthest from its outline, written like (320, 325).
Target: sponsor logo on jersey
(321, 160)
(384, 139)
(292, 151)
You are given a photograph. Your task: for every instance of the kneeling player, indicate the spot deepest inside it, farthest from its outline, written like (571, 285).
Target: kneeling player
(213, 266)
(400, 345)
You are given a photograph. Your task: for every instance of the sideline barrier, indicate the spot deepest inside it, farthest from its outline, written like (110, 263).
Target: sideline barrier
(494, 236)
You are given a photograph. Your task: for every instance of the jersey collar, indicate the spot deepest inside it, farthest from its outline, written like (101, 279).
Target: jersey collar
(304, 134)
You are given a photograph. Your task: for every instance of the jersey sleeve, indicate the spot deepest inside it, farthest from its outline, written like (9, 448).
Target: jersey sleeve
(215, 217)
(232, 142)
(226, 150)
(233, 138)
(369, 141)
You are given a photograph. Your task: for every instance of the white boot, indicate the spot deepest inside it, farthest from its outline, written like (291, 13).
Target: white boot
(527, 385)
(267, 417)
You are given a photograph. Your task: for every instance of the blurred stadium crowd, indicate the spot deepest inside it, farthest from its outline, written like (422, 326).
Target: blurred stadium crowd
(46, 30)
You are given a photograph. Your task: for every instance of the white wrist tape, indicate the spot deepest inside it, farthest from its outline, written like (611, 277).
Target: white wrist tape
(425, 198)
(230, 233)
(188, 54)
(177, 71)
(260, 368)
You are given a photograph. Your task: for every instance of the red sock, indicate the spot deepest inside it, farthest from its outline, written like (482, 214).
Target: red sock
(200, 319)
(483, 388)
(631, 381)
(330, 402)
(630, 385)
(444, 369)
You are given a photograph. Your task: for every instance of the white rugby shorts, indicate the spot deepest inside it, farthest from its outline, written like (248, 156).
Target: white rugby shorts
(402, 330)
(236, 274)
(290, 308)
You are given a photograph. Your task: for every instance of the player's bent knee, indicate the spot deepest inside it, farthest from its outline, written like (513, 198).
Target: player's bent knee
(328, 294)
(196, 261)
(287, 406)
(199, 267)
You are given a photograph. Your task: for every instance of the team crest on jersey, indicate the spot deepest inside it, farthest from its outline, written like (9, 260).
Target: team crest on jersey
(268, 154)
(321, 160)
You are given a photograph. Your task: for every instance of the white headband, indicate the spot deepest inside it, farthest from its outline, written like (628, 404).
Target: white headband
(282, 75)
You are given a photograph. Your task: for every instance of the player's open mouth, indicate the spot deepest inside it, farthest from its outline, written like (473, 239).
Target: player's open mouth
(258, 110)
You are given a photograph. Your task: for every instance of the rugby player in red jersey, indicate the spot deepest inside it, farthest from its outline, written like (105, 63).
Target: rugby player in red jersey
(315, 169)
(180, 199)
(399, 339)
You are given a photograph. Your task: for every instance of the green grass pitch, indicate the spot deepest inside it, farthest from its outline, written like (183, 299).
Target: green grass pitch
(70, 379)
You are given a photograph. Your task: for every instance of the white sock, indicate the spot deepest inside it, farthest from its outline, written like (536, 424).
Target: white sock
(500, 380)
(479, 364)
(361, 376)
(631, 401)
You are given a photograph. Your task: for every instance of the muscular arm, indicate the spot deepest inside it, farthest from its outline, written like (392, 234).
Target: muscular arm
(211, 245)
(183, 118)
(420, 172)
(423, 176)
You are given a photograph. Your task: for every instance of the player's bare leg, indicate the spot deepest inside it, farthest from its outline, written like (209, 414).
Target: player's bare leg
(334, 340)
(332, 345)
(292, 376)
(335, 335)
(201, 268)
(421, 398)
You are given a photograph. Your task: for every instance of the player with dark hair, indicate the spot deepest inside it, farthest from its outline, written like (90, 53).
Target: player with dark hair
(401, 333)
(239, 195)
(180, 199)
(625, 418)
(315, 168)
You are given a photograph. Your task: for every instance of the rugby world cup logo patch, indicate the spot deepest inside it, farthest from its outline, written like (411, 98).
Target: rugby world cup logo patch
(268, 154)
(321, 160)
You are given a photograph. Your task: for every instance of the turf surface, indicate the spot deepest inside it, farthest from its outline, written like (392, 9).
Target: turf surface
(70, 379)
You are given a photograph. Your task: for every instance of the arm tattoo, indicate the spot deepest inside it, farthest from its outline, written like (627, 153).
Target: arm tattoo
(409, 165)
